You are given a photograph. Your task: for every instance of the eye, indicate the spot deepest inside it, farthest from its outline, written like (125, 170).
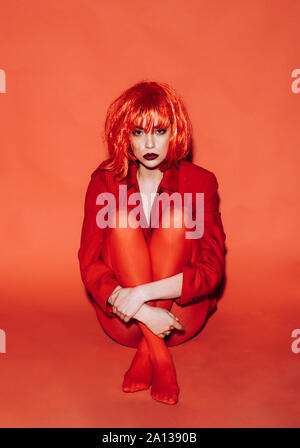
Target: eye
(139, 132)
(136, 132)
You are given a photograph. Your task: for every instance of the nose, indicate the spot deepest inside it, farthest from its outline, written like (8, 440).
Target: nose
(149, 140)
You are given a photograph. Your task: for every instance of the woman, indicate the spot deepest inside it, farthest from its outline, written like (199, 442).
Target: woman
(152, 282)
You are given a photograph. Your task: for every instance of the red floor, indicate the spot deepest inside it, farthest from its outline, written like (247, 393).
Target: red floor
(61, 370)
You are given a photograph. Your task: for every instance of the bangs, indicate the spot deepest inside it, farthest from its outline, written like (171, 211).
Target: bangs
(144, 116)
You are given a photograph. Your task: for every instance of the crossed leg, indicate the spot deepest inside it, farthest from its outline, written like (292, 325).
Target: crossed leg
(135, 262)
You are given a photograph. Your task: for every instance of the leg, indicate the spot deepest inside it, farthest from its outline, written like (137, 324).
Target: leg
(169, 242)
(177, 251)
(130, 259)
(127, 253)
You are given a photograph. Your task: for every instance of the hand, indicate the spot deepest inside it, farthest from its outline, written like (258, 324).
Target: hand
(126, 302)
(113, 296)
(160, 321)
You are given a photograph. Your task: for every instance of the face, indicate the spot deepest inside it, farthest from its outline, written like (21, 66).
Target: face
(146, 146)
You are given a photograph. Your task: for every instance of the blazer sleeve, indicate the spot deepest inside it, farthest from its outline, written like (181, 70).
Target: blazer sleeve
(202, 277)
(98, 278)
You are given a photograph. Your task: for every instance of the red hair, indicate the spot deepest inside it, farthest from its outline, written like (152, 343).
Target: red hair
(143, 100)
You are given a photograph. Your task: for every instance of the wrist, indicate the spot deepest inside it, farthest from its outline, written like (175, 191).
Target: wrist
(142, 292)
(145, 314)
(140, 315)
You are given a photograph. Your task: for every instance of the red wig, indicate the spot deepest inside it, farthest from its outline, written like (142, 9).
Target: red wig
(142, 101)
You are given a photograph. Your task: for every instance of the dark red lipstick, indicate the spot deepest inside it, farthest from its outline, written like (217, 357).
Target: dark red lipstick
(150, 156)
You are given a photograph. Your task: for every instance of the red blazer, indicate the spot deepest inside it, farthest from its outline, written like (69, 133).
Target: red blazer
(206, 269)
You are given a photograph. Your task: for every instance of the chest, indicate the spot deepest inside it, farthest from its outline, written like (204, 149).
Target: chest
(148, 193)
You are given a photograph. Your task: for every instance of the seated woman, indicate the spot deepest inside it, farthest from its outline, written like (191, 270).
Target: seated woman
(152, 277)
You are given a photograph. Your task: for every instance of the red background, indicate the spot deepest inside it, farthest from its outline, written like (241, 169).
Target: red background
(232, 63)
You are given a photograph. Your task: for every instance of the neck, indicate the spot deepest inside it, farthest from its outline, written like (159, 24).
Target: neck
(148, 175)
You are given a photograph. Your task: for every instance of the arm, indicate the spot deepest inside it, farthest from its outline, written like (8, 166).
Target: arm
(159, 320)
(202, 276)
(167, 288)
(97, 277)
(126, 302)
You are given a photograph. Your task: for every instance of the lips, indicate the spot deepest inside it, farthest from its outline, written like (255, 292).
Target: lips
(150, 156)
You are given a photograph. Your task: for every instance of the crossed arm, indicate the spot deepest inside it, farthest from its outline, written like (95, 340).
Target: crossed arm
(131, 302)
(127, 301)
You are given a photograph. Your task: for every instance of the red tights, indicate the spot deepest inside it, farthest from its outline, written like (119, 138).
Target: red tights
(135, 262)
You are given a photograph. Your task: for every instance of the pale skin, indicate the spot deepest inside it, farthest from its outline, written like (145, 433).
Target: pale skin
(131, 302)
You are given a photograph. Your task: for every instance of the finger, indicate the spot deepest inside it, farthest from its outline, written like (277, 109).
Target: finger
(119, 314)
(126, 318)
(114, 310)
(114, 293)
(178, 325)
(113, 297)
(174, 317)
